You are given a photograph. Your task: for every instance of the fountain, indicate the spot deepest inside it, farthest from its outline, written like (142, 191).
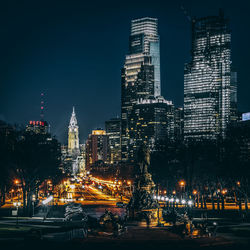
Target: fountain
(142, 206)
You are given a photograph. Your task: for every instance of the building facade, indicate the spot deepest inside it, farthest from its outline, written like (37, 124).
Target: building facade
(96, 148)
(238, 135)
(140, 74)
(152, 122)
(38, 127)
(113, 131)
(178, 124)
(210, 85)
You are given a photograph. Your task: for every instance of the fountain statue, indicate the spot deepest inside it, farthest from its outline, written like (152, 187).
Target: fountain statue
(142, 202)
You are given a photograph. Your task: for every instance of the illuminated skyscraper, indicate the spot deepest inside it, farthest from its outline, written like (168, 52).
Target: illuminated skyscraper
(113, 130)
(210, 86)
(38, 127)
(96, 148)
(140, 74)
(73, 135)
(152, 122)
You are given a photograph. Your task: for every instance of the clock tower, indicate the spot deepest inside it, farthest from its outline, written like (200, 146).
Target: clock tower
(73, 135)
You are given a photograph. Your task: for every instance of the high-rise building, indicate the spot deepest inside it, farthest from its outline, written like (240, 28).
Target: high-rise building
(38, 127)
(113, 130)
(152, 122)
(140, 74)
(238, 135)
(178, 124)
(96, 148)
(73, 135)
(210, 86)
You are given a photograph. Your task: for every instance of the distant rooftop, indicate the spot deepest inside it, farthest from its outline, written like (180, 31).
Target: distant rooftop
(147, 25)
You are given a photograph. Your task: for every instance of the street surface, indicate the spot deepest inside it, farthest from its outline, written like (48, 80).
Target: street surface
(95, 201)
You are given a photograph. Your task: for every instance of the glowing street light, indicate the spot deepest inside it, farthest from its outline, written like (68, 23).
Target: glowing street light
(17, 205)
(224, 191)
(33, 204)
(182, 183)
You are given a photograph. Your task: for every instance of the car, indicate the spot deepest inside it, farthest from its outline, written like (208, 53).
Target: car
(120, 204)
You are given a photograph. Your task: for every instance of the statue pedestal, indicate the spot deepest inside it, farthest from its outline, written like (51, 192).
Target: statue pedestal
(154, 216)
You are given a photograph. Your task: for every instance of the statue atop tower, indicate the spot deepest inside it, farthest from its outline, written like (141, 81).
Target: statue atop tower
(73, 135)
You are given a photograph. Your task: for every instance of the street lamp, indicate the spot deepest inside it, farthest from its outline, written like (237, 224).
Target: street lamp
(33, 204)
(196, 200)
(224, 191)
(183, 202)
(129, 183)
(17, 205)
(182, 184)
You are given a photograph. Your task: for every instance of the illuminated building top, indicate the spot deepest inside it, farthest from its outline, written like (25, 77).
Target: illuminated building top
(38, 127)
(73, 121)
(73, 134)
(98, 132)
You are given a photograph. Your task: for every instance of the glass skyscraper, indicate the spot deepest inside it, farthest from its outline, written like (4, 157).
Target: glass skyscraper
(140, 74)
(152, 122)
(210, 85)
(113, 130)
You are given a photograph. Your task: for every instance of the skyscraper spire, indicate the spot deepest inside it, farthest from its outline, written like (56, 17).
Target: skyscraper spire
(73, 134)
(73, 120)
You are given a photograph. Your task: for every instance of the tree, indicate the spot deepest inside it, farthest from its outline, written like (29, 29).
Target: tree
(37, 158)
(8, 136)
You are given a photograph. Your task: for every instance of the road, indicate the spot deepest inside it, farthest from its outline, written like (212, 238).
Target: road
(89, 195)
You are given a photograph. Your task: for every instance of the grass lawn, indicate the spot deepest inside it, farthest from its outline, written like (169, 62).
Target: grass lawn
(12, 230)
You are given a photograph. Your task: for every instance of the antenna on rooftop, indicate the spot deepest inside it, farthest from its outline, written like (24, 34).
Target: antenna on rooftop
(42, 107)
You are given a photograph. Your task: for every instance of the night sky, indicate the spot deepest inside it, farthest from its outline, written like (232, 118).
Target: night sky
(74, 51)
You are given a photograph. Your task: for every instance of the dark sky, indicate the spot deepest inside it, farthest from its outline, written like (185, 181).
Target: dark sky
(74, 50)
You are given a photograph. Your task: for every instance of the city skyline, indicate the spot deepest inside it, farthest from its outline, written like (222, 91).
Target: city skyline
(124, 124)
(55, 81)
